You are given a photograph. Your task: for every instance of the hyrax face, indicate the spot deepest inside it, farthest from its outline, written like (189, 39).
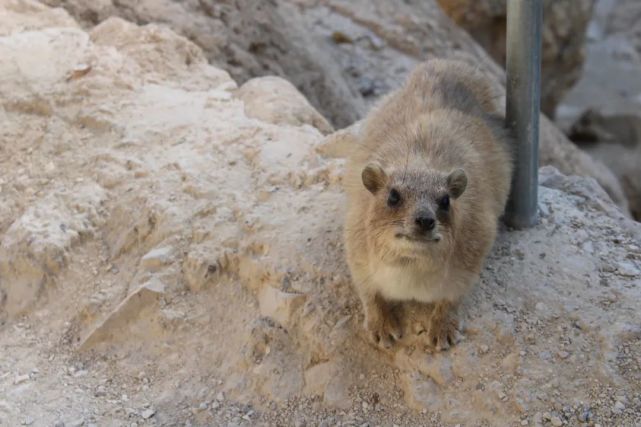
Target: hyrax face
(412, 211)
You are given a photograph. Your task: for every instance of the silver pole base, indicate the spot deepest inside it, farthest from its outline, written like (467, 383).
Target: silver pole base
(523, 92)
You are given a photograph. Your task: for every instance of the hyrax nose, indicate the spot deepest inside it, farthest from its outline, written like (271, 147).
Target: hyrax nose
(425, 222)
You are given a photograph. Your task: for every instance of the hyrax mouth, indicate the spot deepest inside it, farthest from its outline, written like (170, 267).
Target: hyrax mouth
(418, 239)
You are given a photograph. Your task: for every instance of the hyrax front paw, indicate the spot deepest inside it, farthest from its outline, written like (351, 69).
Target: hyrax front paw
(384, 329)
(443, 331)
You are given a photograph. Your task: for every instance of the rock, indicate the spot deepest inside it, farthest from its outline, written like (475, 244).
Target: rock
(317, 378)
(275, 100)
(563, 354)
(615, 140)
(628, 269)
(621, 20)
(601, 113)
(542, 307)
(618, 407)
(337, 393)
(21, 379)
(140, 306)
(422, 392)
(152, 103)
(563, 49)
(294, 43)
(585, 415)
(147, 413)
(36, 246)
(203, 266)
(156, 258)
(79, 422)
(556, 421)
(279, 305)
(101, 391)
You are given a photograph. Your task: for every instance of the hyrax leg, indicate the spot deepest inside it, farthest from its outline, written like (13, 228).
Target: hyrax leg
(443, 329)
(381, 322)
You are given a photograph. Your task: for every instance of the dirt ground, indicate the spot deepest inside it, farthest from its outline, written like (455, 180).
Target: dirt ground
(171, 254)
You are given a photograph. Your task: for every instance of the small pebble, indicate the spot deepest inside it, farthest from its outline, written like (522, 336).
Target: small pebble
(20, 379)
(77, 423)
(556, 421)
(585, 416)
(618, 407)
(148, 413)
(563, 354)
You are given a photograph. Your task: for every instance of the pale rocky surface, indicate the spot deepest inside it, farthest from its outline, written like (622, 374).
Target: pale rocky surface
(343, 55)
(563, 39)
(169, 257)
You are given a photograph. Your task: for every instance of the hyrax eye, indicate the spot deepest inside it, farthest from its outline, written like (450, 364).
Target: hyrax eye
(444, 202)
(394, 198)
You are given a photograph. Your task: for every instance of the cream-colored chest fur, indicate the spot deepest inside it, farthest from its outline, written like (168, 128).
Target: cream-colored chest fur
(403, 283)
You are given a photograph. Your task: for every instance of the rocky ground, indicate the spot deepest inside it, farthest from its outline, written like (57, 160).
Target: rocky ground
(170, 254)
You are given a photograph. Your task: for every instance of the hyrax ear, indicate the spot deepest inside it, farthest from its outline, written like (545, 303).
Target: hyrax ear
(456, 183)
(374, 177)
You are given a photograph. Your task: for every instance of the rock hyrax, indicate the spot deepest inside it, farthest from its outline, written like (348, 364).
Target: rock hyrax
(426, 183)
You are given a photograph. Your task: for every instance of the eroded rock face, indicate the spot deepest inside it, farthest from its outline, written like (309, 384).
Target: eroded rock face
(201, 276)
(624, 19)
(343, 55)
(602, 113)
(564, 28)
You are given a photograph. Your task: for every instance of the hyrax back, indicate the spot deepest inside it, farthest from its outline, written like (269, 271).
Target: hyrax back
(426, 185)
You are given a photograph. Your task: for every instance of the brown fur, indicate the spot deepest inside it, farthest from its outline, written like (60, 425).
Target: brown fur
(439, 135)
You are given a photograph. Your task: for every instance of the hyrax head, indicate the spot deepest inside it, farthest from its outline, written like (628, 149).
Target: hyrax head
(413, 210)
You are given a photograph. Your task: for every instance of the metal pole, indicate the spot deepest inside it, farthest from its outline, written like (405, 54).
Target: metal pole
(523, 91)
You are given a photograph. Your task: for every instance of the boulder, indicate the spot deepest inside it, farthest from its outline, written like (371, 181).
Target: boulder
(564, 33)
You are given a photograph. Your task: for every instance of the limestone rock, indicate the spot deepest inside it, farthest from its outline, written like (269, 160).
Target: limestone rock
(134, 316)
(37, 245)
(277, 101)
